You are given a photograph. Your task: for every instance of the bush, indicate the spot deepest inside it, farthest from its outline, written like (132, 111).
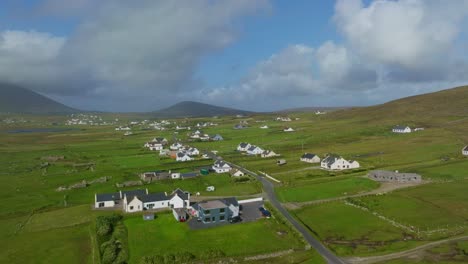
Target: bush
(169, 259)
(213, 253)
(183, 257)
(241, 179)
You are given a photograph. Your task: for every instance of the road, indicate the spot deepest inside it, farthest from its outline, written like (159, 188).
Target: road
(268, 187)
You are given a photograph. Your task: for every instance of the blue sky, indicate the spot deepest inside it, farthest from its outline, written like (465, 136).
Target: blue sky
(118, 55)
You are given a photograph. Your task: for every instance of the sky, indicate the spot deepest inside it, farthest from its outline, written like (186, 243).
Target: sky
(260, 55)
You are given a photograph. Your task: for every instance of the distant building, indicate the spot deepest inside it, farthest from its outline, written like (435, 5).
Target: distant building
(183, 156)
(243, 146)
(237, 173)
(221, 166)
(254, 150)
(268, 154)
(288, 129)
(465, 151)
(217, 137)
(281, 162)
(310, 158)
(334, 162)
(390, 176)
(264, 127)
(401, 129)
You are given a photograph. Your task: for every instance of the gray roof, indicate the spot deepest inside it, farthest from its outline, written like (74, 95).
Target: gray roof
(104, 197)
(330, 159)
(181, 154)
(252, 147)
(230, 200)
(153, 197)
(214, 204)
(466, 148)
(400, 127)
(189, 175)
(220, 163)
(308, 156)
(243, 144)
(180, 193)
(131, 193)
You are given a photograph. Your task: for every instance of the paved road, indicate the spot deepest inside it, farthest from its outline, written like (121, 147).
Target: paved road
(268, 187)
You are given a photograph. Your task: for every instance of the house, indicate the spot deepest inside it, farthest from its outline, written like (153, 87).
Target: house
(137, 200)
(154, 145)
(243, 146)
(239, 126)
(465, 151)
(175, 146)
(283, 119)
(183, 156)
(154, 175)
(236, 173)
(268, 154)
(175, 175)
(335, 162)
(179, 199)
(310, 158)
(160, 140)
(217, 137)
(288, 129)
(401, 129)
(254, 150)
(221, 166)
(390, 176)
(264, 127)
(216, 211)
(131, 201)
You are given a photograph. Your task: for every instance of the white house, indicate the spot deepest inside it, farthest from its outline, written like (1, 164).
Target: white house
(183, 156)
(268, 154)
(310, 158)
(465, 151)
(288, 129)
(283, 119)
(221, 167)
(236, 173)
(193, 151)
(106, 200)
(136, 202)
(175, 175)
(176, 146)
(401, 129)
(179, 199)
(254, 150)
(333, 162)
(243, 146)
(132, 204)
(154, 145)
(264, 127)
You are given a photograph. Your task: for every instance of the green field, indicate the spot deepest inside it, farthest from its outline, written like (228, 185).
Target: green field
(165, 236)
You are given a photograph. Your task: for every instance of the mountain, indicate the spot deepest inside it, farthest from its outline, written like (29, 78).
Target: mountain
(15, 99)
(196, 109)
(440, 106)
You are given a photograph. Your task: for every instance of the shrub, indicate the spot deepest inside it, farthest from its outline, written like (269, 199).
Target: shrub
(169, 259)
(183, 257)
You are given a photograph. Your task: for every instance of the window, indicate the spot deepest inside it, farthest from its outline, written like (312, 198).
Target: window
(131, 207)
(206, 212)
(222, 210)
(207, 219)
(150, 206)
(101, 205)
(221, 218)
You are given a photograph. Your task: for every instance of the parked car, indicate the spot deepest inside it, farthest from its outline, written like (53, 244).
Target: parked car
(235, 219)
(265, 212)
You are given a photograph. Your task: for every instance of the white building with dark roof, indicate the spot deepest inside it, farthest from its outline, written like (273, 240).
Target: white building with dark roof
(465, 151)
(334, 162)
(401, 129)
(310, 158)
(183, 156)
(221, 166)
(243, 146)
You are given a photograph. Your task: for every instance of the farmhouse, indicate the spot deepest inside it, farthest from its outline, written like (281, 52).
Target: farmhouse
(236, 173)
(401, 129)
(243, 146)
(390, 176)
(217, 210)
(310, 158)
(254, 150)
(268, 154)
(221, 167)
(334, 162)
(183, 156)
(465, 151)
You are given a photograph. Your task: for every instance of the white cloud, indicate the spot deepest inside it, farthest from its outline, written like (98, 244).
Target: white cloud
(409, 33)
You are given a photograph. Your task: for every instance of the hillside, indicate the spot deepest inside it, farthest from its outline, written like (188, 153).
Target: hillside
(196, 109)
(15, 99)
(438, 106)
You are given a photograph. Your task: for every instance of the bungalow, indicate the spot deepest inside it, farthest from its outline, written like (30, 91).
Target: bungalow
(288, 129)
(136, 201)
(216, 211)
(176, 146)
(334, 162)
(221, 167)
(154, 145)
(310, 158)
(401, 129)
(465, 151)
(183, 156)
(243, 146)
(254, 150)
(217, 137)
(268, 154)
(236, 173)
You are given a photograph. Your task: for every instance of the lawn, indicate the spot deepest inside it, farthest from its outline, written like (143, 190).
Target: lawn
(326, 189)
(164, 236)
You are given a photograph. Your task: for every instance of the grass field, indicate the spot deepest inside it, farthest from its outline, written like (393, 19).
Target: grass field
(164, 236)
(325, 189)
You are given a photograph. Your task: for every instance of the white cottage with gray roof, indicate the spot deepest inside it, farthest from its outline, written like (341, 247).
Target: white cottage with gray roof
(465, 151)
(335, 162)
(401, 129)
